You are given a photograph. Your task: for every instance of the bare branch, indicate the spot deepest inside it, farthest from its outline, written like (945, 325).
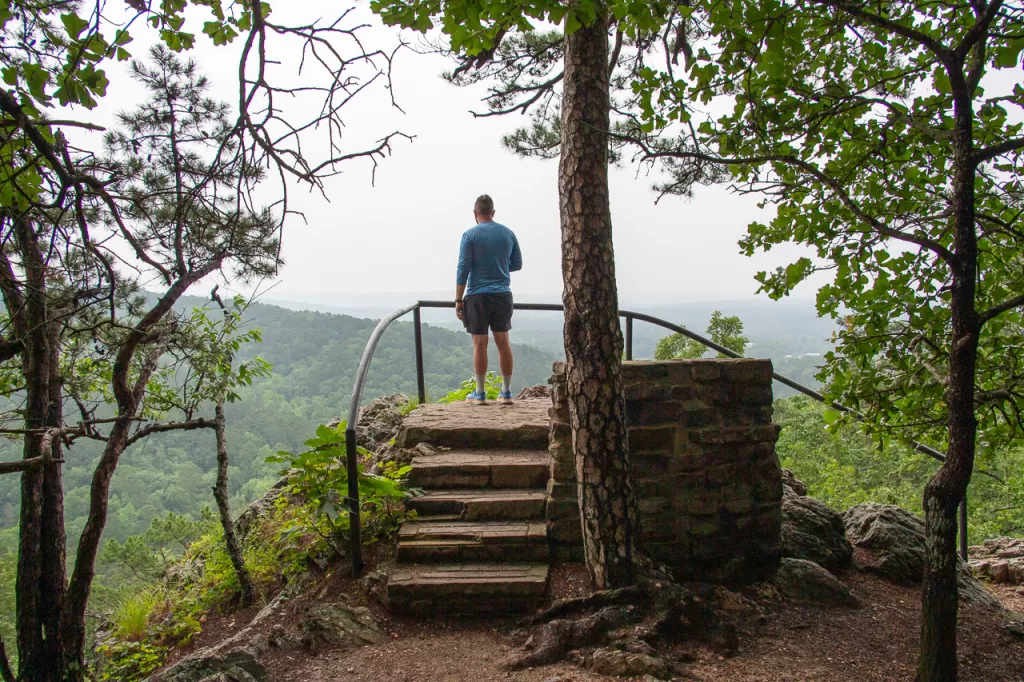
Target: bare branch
(190, 425)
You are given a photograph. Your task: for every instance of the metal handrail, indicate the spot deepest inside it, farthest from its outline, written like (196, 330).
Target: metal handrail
(352, 460)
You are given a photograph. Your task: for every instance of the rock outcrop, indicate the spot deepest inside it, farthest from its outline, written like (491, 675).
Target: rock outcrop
(814, 531)
(804, 581)
(791, 485)
(380, 421)
(1000, 560)
(889, 542)
(236, 659)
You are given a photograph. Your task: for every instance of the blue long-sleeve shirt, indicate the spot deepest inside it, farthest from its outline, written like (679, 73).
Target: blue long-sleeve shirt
(488, 253)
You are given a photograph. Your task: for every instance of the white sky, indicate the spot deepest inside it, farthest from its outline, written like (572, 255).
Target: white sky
(402, 234)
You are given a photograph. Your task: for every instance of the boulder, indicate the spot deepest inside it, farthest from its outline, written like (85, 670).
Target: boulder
(340, 625)
(814, 531)
(805, 581)
(627, 664)
(791, 484)
(237, 666)
(889, 542)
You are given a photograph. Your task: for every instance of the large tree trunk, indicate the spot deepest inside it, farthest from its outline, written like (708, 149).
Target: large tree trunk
(593, 339)
(937, 660)
(220, 493)
(41, 568)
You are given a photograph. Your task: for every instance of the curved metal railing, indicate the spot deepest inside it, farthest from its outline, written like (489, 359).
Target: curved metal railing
(352, 459)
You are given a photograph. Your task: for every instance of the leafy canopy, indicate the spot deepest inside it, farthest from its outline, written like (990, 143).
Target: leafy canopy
(842, 119)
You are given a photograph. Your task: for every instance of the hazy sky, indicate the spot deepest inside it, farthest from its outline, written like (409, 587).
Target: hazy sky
(402, 234)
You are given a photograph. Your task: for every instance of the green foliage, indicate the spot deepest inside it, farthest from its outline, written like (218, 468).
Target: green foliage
(492, 387)
(320, 477)
(843, 466)
(129, 661)
(147, 557)
(133, 615)
(843, 120)
(8, 572)
(725, 331)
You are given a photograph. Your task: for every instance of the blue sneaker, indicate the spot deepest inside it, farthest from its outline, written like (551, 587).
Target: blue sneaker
(505, 398)
(476, 398)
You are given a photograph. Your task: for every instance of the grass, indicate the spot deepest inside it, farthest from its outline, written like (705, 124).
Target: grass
(133, 615)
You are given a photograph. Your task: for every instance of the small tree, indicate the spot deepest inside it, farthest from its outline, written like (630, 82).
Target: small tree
(725, 331)
(888, 143)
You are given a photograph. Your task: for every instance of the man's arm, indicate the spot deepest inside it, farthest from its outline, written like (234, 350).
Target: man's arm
(460, 290)
(465, 262)
(462, 273)
(516, 261)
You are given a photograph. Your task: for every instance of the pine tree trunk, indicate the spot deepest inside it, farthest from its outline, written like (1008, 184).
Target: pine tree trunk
(593, 338)
(41, 569)
(937, 660)
(220, 493)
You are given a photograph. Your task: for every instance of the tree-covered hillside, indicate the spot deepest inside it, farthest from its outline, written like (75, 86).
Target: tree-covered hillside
(314, 357)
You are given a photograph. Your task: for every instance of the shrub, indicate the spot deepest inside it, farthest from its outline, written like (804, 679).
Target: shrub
(134, 614)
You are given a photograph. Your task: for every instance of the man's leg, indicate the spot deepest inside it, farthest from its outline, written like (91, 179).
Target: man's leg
(505, 361)
(480, 362)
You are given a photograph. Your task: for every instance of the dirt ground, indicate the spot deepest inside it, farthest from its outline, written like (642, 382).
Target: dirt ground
(778, 643)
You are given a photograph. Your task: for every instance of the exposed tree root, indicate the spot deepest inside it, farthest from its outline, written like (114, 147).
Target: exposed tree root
(629, 621)
(6, 674)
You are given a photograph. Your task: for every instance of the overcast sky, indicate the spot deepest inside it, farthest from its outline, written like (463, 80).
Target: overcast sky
(402, 233)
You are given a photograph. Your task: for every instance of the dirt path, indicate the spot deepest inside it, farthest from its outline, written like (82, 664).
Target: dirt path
(779, 643)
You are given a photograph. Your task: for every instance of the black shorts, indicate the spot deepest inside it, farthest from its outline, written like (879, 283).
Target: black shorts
(481, 311)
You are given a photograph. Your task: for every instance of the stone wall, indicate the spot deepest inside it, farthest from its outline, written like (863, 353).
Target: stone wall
(702, 445)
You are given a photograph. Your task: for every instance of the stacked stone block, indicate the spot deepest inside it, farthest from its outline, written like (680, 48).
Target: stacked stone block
(702, 446)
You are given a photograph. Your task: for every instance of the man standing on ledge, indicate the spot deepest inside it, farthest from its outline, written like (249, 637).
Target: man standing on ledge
(483, 297)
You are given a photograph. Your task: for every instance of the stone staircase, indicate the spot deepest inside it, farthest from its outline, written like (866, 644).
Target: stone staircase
(479, 543)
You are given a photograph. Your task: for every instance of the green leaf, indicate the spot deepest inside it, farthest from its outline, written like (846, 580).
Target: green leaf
(1006, 56)
(74, 24)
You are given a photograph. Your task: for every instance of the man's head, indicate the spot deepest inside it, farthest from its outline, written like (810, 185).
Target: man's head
(483, 209)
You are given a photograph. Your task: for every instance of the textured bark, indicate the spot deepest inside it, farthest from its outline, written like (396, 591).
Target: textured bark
(220, 493)
(593, 339)
(937, 660)
(41, 561)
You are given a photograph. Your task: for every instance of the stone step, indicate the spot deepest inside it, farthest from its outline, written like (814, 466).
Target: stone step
(523, 425)
(481, 469)
(485, 504)
(466, 541)
(466, 588)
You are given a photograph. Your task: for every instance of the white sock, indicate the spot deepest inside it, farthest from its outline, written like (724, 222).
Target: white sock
(480, 387)
(506, 383)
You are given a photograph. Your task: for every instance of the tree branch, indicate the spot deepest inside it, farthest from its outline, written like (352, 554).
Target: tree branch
(878, 226)
(190, 425)
(997, 310)
(922, 39)
(980, 28)
(9, 349)
(988, 153)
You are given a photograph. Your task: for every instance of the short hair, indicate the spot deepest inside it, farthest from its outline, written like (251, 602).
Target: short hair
(484, 205)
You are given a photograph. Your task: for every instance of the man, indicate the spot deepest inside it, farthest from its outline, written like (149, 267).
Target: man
(483, 298)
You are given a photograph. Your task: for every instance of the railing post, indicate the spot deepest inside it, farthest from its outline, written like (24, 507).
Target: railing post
(629, 337)
(352, 464)
(421, 388)
(963, 527)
